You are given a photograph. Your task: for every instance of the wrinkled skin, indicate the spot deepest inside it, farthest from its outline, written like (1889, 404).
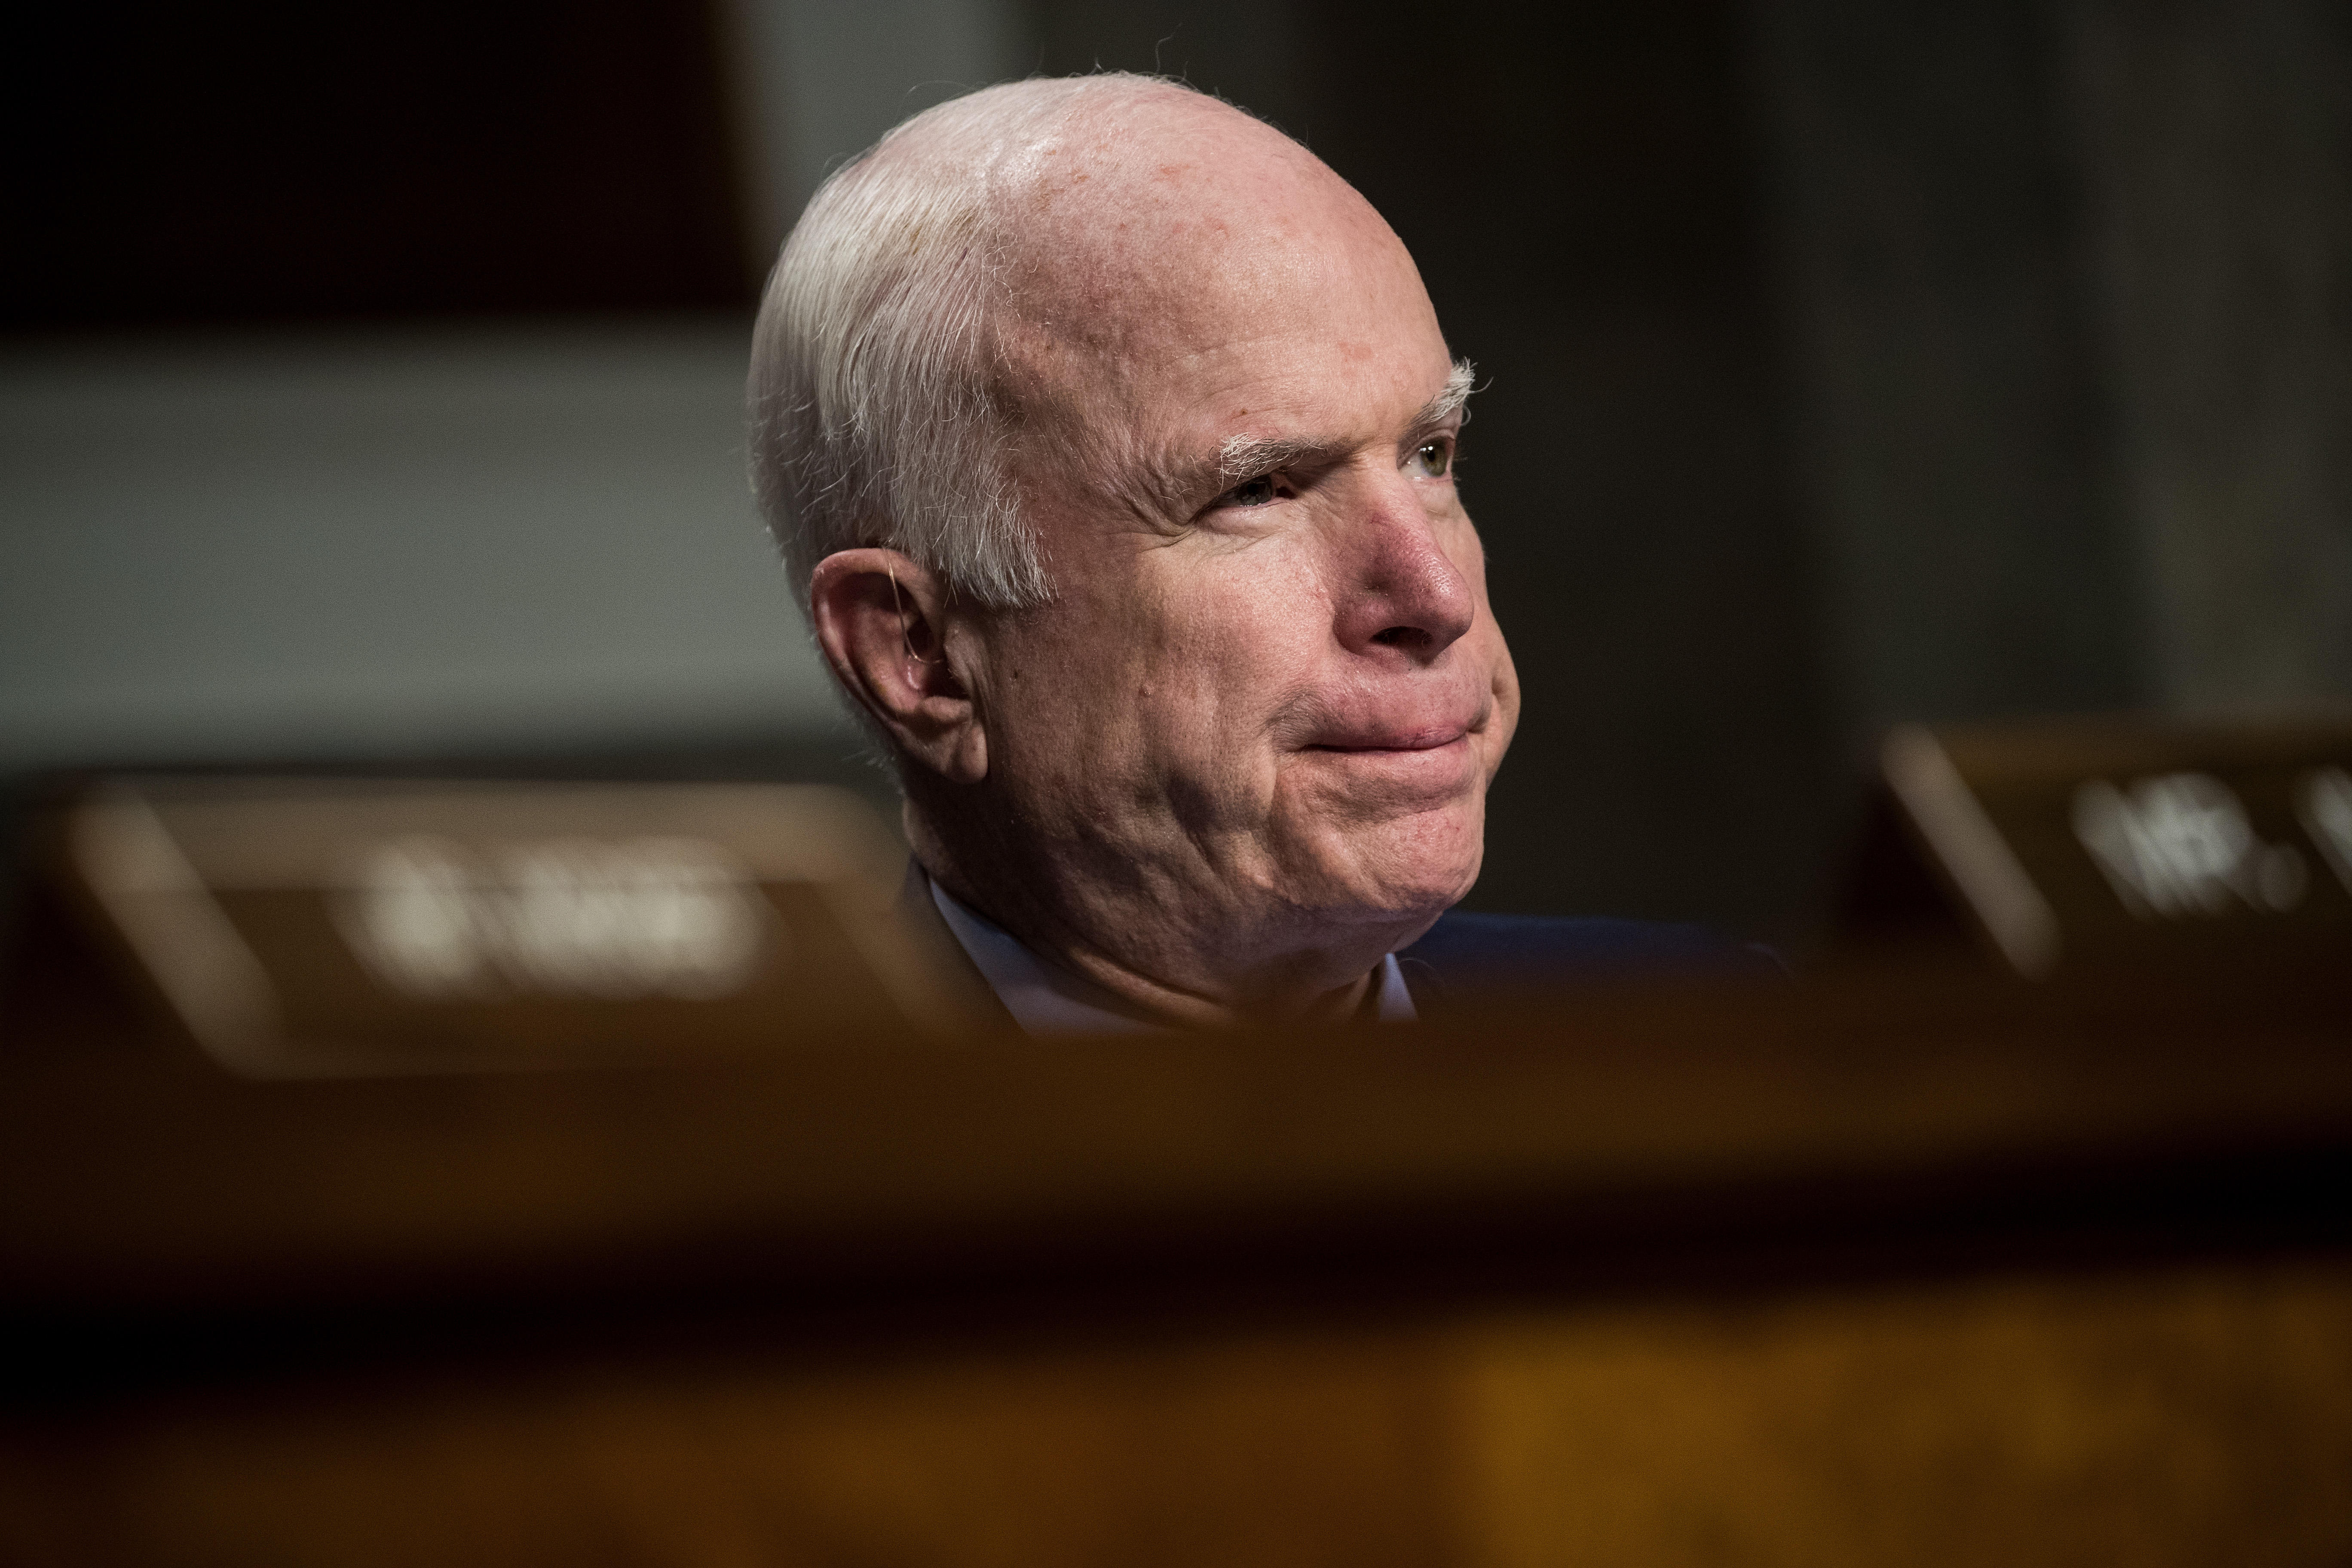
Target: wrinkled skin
(1244, 751)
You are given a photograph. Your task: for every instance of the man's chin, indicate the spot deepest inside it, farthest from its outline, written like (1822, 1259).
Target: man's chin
(1403, 884)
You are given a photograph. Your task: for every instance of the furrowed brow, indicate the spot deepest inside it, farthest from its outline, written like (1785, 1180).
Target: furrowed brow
(1247, 457)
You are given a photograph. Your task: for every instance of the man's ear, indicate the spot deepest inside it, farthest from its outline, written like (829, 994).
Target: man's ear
(882, 623)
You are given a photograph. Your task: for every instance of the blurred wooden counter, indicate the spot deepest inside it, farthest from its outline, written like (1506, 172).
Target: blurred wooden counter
(1916, 1268)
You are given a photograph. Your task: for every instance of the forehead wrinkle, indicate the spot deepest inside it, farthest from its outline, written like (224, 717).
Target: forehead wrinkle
(1161, 492)
(1247, 456)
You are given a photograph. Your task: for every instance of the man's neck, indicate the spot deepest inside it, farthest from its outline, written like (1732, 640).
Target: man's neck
(1045, 1000)
(1129, 990)
(1294, 985)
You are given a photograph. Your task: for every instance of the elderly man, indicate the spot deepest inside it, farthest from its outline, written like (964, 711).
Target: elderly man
(1112, 437)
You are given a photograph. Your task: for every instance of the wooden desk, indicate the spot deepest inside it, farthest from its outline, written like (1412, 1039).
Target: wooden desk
(1898, 1268)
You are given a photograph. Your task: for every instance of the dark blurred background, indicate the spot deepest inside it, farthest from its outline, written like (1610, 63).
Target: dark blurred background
(369, 387)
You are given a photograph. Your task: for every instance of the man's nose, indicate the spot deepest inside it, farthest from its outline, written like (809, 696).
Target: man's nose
(1406, 593)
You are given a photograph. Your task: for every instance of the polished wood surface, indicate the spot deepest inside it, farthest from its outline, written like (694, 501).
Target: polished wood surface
(1902, 1266)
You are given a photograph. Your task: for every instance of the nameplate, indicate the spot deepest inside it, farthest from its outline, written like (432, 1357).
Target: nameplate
(2103, 842)
(310, 928)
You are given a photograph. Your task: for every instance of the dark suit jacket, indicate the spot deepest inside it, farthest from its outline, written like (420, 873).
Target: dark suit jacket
(1466, 956)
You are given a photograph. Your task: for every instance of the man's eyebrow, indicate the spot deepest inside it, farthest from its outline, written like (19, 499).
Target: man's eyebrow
(1247, 456)
(1452, 399)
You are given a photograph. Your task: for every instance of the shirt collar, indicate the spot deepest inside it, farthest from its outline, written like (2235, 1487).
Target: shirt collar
(1045, 1000)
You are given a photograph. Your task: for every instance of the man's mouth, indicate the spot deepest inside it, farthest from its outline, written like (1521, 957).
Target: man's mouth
(1425, 740)
(1399, 726)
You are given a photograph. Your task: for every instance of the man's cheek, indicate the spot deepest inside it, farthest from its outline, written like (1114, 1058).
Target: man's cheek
(1269, 648)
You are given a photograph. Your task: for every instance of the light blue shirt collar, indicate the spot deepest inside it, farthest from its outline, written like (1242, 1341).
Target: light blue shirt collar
(1045, 1000)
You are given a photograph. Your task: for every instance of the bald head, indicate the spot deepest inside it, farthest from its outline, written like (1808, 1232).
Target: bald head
(992, 259)
(1152, 217)
(1111, 168)
(1141, 182)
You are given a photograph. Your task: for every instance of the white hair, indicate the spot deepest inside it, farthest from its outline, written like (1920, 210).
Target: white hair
(876, 414)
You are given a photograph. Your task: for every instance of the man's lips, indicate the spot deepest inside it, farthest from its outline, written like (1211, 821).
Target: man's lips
(1422, 740)
(1393, 723)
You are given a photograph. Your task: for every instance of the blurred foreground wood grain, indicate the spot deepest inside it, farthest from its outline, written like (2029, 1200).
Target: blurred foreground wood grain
(2190, 1417)
(1911, 1267)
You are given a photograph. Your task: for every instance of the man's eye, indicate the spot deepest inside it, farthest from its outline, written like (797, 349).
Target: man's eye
(1434, 457)
(1250, 492)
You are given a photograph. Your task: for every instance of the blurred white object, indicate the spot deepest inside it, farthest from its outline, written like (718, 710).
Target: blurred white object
(2181, 843)
(394, 541)
(643, 916)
